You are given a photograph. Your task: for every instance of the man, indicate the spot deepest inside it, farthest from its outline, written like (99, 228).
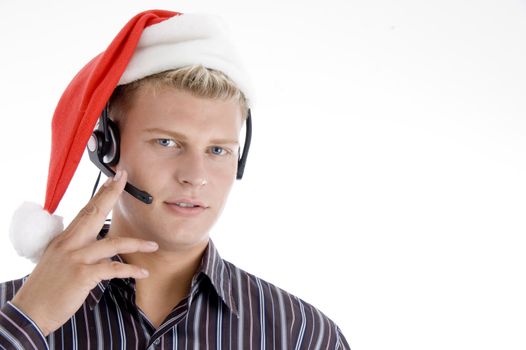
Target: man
(170, 133)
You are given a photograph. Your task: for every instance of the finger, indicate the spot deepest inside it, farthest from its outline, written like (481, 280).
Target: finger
(114, 269)
(111, 246)
(88, 222)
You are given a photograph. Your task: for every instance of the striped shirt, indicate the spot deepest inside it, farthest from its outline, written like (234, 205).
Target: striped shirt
(227, 308)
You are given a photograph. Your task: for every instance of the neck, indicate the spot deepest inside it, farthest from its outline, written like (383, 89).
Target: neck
(171, 270)
(170, 273)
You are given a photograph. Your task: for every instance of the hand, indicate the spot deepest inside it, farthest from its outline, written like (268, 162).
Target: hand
(75, 262)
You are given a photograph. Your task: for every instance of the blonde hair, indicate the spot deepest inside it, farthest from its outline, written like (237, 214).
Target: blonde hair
(196, 79)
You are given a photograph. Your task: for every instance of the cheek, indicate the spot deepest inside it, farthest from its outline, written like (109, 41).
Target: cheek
(224, 184)
(222, 171)
(222, 178)
(142, 173)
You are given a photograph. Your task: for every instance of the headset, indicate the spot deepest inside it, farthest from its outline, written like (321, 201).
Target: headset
(103, 149)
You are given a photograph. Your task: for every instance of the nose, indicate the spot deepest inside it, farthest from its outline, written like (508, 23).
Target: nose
(191, 169)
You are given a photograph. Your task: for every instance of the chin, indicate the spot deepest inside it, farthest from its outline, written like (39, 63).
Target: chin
(176, 236)
(171, 232)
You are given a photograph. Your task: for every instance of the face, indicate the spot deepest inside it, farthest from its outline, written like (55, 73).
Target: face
(176, 147)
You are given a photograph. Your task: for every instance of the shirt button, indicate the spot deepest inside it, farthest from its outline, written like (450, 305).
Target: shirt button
(157, 341)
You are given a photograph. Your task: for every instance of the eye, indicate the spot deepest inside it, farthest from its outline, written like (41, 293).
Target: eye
(166, 142)
(218, 150)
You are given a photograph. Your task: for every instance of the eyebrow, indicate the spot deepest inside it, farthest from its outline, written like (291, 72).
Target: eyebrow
(183, 137)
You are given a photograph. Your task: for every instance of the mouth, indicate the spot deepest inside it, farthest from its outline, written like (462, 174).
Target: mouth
(187, 203)
(187, 208)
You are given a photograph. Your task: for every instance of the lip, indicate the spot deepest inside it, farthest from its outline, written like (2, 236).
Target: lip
(186, 200)
(186, 212)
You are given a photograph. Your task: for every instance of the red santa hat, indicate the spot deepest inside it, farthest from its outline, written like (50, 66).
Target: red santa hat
(151, 42)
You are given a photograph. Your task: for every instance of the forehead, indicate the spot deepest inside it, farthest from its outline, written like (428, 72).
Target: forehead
(173, 109)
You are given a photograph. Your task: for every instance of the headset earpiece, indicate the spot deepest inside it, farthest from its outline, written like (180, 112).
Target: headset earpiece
(103, 145)
(111, 153)
(103, 150)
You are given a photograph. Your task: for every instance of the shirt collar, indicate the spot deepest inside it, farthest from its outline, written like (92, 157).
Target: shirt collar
(219, 274)
(212, 266)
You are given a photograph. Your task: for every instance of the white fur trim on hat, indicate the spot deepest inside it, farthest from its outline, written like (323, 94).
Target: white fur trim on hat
(184, 40)
(32, 229)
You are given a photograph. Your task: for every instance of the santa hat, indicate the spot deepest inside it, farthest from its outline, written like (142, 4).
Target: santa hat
(151, 42)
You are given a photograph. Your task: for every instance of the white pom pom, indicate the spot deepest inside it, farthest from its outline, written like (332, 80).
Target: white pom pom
(32, 229)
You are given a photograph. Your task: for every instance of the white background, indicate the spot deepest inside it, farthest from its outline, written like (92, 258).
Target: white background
(386, 180)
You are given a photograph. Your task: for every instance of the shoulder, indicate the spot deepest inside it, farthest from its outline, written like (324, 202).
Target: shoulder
(8, 289)
(272, 306)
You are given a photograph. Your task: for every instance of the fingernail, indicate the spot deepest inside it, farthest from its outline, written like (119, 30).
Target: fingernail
(118, 175)
(152, 244)
(145, 272)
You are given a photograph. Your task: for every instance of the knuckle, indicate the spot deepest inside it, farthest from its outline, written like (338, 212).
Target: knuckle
(58, 243)
(83, 271)
(89, 209)
(75, 256)
(116, 266)
(114, 243)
